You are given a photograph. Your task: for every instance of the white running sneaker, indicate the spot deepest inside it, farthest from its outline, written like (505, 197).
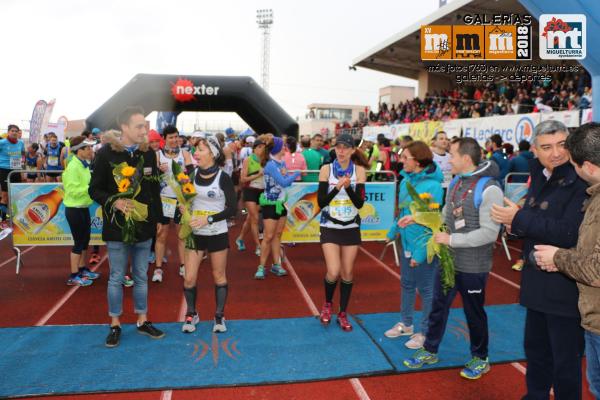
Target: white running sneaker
(399, 330)
(189, 325)
(257, 252)
(181, 270)
(416, 341)
(157, 275)
(220, 328)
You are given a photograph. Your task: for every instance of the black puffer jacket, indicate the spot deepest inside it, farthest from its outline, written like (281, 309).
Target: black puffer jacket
(103, 186)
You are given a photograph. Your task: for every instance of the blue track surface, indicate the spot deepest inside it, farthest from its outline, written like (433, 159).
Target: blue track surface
(73, 359)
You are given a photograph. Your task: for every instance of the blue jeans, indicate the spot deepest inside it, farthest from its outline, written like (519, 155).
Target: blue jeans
(118, 258)
(592, 353)
(420, 277)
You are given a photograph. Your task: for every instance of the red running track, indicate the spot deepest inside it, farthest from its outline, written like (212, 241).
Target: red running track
(39, 296)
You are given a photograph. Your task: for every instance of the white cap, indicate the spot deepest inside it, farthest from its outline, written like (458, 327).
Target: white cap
(199, 134)
(250, 139)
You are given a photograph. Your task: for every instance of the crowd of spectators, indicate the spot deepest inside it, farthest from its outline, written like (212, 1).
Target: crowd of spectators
(563, 92)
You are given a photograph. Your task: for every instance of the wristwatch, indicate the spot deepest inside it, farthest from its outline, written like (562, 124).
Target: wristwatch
(210, 219)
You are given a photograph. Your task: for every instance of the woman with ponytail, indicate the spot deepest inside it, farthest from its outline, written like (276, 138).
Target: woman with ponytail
(272, 200)
(341, 195)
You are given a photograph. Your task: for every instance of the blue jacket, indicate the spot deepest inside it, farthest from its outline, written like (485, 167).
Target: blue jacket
(414, 237)
(520, 164)
(500, 158)
(551, 215)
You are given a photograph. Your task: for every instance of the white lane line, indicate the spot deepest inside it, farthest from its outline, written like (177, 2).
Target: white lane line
(13, 258)
(355, 382)
(518, 366)
(381, 263)
(507, 281)
(513, 248)
(65, 298)
(167, 394)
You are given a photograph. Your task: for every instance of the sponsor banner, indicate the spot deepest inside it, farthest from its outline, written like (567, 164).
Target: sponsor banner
(304, 216)
(418, 130)
(453, 128)
(165, 118)
(562, 36)
(58, 128)
(35, 125)
(586, 116)
(569, 118)
(47, 115)
(39, 216)
(512, 128)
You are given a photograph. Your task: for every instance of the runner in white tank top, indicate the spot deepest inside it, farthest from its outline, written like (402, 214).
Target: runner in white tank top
(165, 158)
(215, 201)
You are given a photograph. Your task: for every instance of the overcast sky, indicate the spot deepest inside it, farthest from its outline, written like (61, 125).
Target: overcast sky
(81, 52)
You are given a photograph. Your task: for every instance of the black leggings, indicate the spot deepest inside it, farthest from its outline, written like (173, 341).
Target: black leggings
(80, 224)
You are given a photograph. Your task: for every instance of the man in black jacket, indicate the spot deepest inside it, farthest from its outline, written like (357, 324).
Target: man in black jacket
(130, 148)
(553, 211)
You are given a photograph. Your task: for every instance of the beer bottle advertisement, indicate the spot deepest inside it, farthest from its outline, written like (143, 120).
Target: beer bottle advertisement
(304, 214)
(38, 216)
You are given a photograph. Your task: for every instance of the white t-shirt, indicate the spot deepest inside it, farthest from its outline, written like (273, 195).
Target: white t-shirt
(444, 163)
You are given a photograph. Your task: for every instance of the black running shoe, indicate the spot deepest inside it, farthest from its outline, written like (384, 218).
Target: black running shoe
(112, 340)
(149, 330)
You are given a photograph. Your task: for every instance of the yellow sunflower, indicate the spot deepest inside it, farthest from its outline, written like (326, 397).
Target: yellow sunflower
(128, 171)
(425, 196)
(182, 177)
(188, 188)
(124, 185)
(434, 206)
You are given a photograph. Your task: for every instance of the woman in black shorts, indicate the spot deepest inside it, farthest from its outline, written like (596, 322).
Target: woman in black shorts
(254, 184)
(215, 201)
(341, 194)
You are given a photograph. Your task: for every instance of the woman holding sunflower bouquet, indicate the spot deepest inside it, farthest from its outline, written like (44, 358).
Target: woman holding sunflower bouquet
(416, 273)
(214, 201)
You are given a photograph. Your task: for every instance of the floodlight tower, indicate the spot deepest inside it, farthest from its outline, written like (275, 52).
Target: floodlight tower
(264, 19)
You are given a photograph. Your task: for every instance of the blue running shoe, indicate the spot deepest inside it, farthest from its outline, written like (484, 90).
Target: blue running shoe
(475, 368)
(79, 281)
(240, 244)
(152, 258)
(421, 358)
(278, 270)
(86, 273)
(260, 273)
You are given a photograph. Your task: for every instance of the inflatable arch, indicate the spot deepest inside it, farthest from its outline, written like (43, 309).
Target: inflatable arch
(178, 93)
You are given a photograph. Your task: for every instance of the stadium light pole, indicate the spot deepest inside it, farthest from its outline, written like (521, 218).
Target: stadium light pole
(264, 19)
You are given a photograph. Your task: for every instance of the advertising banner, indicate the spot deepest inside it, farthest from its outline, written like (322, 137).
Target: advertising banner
(39, 216)
(586, 116)
(47, 115)
(35, 125)
(164, 118)
(569, 118)
(512, 128)
(304, 215)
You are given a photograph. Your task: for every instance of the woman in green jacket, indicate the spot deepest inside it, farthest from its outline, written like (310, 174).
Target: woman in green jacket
(76, 180)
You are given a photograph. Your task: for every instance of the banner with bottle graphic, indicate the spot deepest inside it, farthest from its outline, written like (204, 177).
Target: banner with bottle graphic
(39, 216)
(304, 215)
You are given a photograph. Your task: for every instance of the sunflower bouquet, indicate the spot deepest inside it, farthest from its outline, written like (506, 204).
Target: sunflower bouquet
(183, 187)
(128, 180)
(427, 213)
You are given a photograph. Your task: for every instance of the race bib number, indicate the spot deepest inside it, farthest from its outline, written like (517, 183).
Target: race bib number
(342, 209)
(208, 229)
(53, 161)
(15, 163)
(169, 206)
